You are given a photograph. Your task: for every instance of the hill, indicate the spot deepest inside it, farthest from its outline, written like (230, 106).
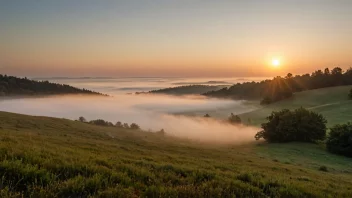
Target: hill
(50, 157)
(332, 102)
(280, 88)
(188, 89)
(14, 86)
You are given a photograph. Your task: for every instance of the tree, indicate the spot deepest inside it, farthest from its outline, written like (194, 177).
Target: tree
(126, 126)
(340, 140)
(289, 75)
(234, 119)
(134, 126)
(298, 125)
(119, 124)
(82, 119)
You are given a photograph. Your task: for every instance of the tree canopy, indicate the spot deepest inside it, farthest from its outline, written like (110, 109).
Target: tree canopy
(280, 88)
(340, 139)
(299, 125)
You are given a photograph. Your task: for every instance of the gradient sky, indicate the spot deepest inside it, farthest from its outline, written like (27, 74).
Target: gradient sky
(205, 38)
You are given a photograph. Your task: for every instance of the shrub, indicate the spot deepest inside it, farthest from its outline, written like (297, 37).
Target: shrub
(206, 116)
(135, 126)
(350, 94)
(82, 119)
(323, 168)
(298, 125)
(340, 140)
(101, 122)
(235, 119)
(119, 124)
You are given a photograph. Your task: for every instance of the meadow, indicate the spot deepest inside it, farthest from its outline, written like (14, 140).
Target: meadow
(51, 157)
(332, 103)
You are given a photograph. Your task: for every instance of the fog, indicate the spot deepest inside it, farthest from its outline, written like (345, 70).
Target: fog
(151, 112)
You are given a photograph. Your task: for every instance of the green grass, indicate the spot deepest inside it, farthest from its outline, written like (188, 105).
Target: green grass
(49, 157)
(332, 102)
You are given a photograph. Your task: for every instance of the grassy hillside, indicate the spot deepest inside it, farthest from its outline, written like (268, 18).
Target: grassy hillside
(332, 102)
(49, 157)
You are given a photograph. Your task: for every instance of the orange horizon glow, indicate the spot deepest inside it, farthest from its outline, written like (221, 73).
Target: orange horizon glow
(217, 39)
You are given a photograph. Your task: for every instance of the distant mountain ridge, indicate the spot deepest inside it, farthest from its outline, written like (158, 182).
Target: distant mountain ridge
(14, 86)
(187, 89)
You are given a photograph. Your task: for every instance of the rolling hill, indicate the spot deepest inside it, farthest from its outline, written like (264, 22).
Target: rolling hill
(332, 102)
(50, 157)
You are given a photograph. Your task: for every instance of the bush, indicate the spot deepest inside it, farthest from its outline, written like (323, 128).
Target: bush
(299, 125)
(135, 126)
(119, 124)
(206, 116)
(82, 119)
(340, 140)
(350, 94)
(101, 122)
(235, 119)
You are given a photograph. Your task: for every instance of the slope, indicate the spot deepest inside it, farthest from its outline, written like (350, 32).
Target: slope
(50, 157)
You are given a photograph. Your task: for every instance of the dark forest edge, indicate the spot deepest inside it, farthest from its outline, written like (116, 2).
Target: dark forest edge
(14, 86)
(280, 88)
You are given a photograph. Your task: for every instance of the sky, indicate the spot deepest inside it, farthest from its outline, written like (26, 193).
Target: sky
(176, 38)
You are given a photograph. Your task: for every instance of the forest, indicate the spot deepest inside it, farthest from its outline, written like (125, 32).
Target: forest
(12, 86)
(280, 88)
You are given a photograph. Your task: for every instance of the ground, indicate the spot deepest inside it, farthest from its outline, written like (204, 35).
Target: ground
(50, 157)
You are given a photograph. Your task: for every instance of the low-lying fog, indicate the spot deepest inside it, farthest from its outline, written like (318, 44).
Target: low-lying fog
(151, 112)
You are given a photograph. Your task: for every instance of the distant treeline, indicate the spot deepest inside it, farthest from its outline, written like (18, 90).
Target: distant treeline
(101, 122)
(188, 89)
(283, 87)
(11, 86)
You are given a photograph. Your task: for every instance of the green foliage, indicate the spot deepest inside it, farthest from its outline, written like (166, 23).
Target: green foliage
(48, 157)
(135, 126)
(350, 94)
(101, 122)
(10, 86)
(299, 125)
(82, 119)
(340, 139)
(234, 119)
(282, 88)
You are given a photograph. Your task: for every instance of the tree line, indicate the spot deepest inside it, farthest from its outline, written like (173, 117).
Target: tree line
(11, 85)
(280, 88)
(118, 124)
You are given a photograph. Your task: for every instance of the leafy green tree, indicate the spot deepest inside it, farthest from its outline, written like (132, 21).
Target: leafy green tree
(235, 119)
(299, 125)
(82, 119)
(119, 124)
(135, 126)
(340, 139)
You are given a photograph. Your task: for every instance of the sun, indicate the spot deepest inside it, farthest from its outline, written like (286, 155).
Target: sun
(275, 62)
